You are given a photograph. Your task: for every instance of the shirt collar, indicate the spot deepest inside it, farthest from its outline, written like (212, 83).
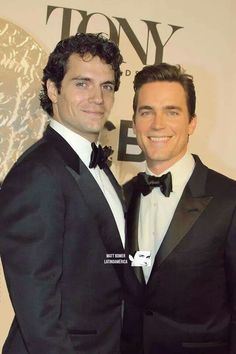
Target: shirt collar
(81, 145)
(180, 171)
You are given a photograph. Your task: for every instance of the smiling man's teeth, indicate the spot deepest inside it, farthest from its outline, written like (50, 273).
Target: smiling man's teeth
(161, 138)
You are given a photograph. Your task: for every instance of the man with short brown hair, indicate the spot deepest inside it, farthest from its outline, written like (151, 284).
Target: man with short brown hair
(185, 215)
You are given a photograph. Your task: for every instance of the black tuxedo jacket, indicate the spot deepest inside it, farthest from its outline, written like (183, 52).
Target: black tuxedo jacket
(56, 229)
(190, 298)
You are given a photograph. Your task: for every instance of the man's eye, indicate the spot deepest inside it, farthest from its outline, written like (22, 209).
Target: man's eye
(109, 87)
(145, 113)
(81, 84)
(172, 113)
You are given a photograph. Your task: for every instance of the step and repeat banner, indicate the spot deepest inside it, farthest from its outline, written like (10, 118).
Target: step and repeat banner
(200, 36)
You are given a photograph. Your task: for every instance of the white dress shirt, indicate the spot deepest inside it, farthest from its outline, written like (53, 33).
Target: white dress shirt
(156, 210)
(83, 149)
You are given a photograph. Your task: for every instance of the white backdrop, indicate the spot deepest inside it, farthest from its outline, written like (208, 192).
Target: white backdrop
(203, 43)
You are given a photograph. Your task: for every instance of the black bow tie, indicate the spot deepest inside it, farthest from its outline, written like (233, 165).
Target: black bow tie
(99, 155)
(146, 183)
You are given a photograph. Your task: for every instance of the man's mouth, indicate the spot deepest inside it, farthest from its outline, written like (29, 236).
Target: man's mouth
(94, 113)
(159, 139)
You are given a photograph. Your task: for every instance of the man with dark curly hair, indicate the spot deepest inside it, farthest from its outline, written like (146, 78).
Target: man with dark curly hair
(61, 213)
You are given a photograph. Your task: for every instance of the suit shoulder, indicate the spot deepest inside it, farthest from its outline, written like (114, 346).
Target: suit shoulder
(216, 181)
(219, 177)
(39, 151)
(39, 155)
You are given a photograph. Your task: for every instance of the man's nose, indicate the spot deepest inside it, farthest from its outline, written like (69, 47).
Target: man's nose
(158, 121)
(96, 95)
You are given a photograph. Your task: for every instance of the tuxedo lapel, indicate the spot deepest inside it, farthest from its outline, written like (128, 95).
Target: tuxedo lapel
(99, 209)
(187, 213)
(116, 186)
(73, 161)
(92, 195)
(191, 205)
(132, 231)
(101, 214)
(66, 152)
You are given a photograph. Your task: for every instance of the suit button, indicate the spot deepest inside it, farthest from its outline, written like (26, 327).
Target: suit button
(148, 313)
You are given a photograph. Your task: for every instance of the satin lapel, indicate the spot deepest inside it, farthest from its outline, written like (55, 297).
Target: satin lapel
(116, 186)
(100, 214)
(187, 212)
(132, 231)
(99, 209)
(92, 194)
(191, 205)
(66, 152)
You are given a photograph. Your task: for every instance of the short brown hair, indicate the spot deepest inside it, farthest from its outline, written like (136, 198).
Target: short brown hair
(166, 72)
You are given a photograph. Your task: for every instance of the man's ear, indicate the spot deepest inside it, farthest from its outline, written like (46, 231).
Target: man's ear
(192, 125)
(134, 126)
(52, 91)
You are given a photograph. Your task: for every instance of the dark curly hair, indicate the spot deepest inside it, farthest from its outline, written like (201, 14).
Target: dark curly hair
(166, 72)
(82, 44)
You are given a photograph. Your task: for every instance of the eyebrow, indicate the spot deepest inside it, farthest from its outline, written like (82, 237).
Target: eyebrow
(88, 79)
(144, 107)
(112, 82)
(82, 78)
(173, 107)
